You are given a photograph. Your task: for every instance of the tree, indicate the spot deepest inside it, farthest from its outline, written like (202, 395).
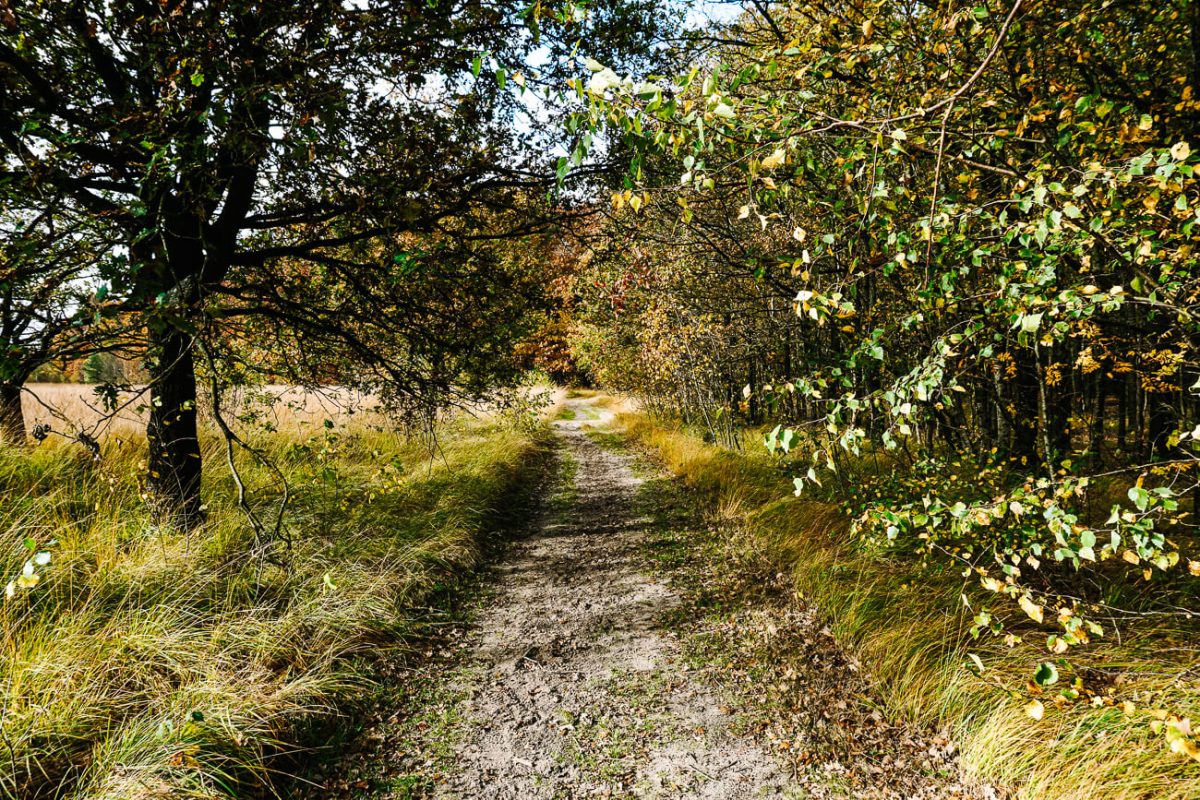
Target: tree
(983, 218)
(223, 138)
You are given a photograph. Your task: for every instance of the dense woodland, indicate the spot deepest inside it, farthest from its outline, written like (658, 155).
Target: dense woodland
(936, 261)
(955, 243)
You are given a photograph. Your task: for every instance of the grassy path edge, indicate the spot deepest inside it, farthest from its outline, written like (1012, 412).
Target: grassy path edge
(409, 694)
(914, 647)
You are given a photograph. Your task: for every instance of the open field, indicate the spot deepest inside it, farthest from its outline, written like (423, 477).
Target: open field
(76, 407)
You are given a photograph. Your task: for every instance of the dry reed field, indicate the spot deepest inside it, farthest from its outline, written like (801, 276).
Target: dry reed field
(73, 408)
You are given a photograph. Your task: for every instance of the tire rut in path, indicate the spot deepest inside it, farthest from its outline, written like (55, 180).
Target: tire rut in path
(574, 687)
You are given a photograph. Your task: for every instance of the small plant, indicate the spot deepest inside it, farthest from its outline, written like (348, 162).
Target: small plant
(30, 574)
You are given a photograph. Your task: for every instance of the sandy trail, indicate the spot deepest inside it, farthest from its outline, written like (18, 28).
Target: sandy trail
(583, 673)
(575, 689)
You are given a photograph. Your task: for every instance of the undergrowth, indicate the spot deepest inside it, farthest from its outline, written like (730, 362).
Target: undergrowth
(908, 622)
(152, 663)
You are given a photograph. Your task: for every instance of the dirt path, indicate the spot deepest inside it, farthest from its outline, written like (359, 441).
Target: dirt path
(587, 671)
(577, 691)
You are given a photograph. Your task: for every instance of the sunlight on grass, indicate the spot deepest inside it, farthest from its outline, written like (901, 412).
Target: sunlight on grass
(150, 663)
(899, 617)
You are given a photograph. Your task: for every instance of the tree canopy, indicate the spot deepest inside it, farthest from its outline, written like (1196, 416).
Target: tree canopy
(289, 164)
(931, 239)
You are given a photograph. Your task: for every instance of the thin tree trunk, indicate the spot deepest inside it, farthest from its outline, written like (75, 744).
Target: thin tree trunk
(1096, 431)
(1027, 399)
(12, 416)
(174, 478)
(1122, 413)
(1161, 422)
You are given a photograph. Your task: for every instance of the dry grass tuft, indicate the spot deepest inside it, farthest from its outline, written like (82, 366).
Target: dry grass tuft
(153, 663)
(908, 625)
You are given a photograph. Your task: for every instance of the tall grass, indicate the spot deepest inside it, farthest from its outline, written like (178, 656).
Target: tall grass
(152, 663)
(907, 622)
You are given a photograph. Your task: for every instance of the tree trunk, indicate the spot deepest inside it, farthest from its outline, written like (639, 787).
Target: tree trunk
(1026, 400)
(1122, 413)
(1100, 389)
(1161, 423)
(174, 479)
(1057, 401)
(12, 416)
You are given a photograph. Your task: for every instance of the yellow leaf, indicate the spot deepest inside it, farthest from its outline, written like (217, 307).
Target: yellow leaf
(1031, 608)
(1181, 151)
(868, 28)
(1035, 709)
(1194, 568)
(774, 160)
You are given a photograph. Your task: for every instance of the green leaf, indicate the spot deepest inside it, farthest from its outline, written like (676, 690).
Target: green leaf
(1046, 674)
(1140, 497)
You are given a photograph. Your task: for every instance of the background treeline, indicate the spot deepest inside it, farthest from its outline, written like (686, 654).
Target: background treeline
(838, 181)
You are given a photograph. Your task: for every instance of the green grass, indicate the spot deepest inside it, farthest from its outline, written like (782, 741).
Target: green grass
(150, 663)
(907, 623)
